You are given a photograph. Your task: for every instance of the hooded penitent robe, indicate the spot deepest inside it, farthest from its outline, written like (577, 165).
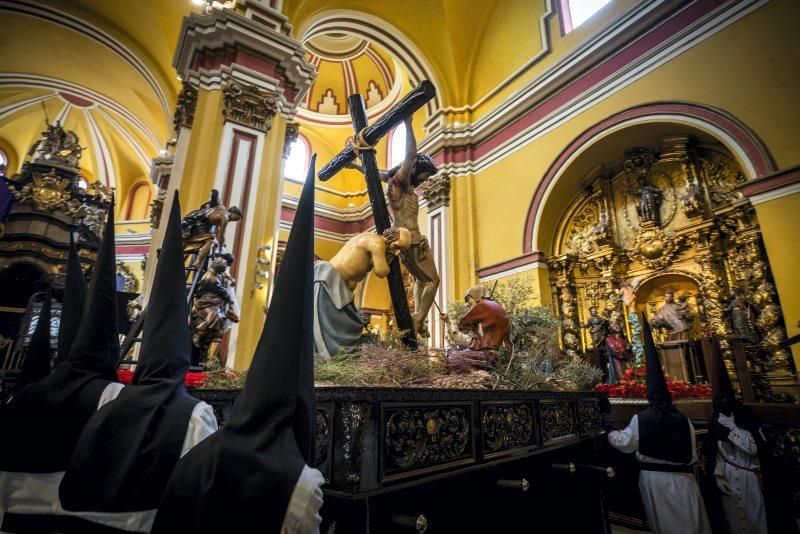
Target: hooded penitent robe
(48, 415)
(734, 460)
(253, 475)
(127, 450)
(72, 304)
(664, 442)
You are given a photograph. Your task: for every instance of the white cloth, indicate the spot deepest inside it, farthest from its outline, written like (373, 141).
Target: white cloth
(37, 493)
(672, 501)
(302, 514)
(740, 489)
(202, 424)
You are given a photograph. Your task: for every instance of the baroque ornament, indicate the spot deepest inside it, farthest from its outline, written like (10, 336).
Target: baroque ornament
(48, 193)
(322, 430)
(653, 247)
(558, 419)
(422, 437)
(249, 105)
(506, 426)
(185, 107)
(436, 190)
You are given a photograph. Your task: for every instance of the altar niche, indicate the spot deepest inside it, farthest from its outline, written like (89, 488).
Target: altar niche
(667, 218)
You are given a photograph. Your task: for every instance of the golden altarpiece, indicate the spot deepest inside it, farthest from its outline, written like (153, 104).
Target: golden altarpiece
(669, 218)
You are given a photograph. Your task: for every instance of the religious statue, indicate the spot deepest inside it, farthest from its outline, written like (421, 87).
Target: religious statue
(214, 308)
(598, 327)
(628, 294)
(618, 352)
(488, 324)
(402, 182)
(56, 147)
(649, 205)
(204, 228)
(742, 314)
(676, 317)
(337, 323)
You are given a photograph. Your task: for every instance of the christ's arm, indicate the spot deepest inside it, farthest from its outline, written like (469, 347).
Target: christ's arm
(403, 175)
(377, 251)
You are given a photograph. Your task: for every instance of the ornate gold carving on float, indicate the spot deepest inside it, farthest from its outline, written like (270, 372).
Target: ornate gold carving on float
(670, 213)
(249, 105)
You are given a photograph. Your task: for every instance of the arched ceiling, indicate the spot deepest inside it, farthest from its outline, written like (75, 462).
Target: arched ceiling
(102, 68)
(348, 64)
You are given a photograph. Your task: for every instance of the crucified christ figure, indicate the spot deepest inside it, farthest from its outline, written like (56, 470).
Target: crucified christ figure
(402, 181)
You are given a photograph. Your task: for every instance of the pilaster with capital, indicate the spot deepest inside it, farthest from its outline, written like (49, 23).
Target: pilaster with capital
(243, 77)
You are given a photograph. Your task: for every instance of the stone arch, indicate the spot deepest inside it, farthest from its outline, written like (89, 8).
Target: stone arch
(382, 33)
(749, 151)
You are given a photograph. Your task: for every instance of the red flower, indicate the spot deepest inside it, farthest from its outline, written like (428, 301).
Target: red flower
(191, 380)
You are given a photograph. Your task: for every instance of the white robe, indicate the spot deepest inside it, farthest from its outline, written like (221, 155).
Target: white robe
(302, 514)
(740, 489)
(37, 493)
(672, 501)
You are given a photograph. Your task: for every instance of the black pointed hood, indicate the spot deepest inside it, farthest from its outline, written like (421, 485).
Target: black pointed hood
(722, 392)
(37, 359)
(165, 353)
(657, 392)
(73, 303)
(259, 455)
(663, 431)
(96, 346)
(128, 449)
(51, 413)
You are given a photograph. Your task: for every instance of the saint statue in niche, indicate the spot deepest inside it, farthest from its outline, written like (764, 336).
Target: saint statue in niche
(649, 206)
(674, 316)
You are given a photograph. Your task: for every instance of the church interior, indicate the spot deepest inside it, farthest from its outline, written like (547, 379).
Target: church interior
(530, 221)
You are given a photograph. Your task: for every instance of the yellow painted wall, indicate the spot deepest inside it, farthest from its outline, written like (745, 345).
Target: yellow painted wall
(778, 219)
(727, 71)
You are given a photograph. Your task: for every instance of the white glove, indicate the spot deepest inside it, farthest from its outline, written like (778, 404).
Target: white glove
(727, 421)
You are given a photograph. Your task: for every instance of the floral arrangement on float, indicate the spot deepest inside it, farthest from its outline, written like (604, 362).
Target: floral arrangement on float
(633, 386)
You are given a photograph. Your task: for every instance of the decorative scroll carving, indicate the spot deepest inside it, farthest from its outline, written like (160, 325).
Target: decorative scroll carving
(93, 216)
(291, 135)
(185, 107)
(130, 279)
(249, 105)
(322, 430)
(506, 426)
(558, 419)
(422, 437)
(723, 178)
(589, 417)
(654, 247)
(354, 418)
(156, 207)
(436, 191)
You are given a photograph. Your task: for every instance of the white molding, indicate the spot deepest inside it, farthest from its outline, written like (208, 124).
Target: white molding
(515, 270)
(513, 108)
(766, 196)
(13, 79)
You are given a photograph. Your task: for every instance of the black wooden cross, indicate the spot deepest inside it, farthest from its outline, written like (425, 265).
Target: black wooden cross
(369, 136)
